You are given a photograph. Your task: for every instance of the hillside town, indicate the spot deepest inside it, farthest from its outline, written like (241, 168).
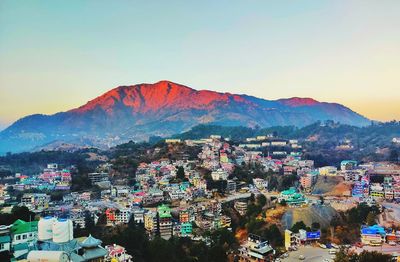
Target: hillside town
(226, 187)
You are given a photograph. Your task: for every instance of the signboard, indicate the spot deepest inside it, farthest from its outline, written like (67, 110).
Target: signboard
(313, 235)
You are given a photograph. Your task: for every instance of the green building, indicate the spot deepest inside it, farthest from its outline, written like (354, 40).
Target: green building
(186, 229)
(292, 197)
(164, 221)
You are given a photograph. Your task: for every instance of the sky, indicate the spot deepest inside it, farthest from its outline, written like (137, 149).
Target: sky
(57, 55)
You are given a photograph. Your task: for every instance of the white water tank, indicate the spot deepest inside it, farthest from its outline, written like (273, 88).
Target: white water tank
(49, 256)
(45, 228)
(62, 230)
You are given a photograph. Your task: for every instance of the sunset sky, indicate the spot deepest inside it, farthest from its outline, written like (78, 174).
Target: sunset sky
(57, 55)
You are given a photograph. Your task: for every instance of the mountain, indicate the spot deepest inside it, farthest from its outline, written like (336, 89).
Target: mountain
(162, 109)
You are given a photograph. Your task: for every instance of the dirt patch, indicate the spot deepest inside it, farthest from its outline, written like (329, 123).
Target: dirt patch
(322, 214)
(331, 186)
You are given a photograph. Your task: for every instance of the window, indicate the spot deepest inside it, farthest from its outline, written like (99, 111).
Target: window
(30, 234)
(18, 237)
(1, 246)
(24, 236)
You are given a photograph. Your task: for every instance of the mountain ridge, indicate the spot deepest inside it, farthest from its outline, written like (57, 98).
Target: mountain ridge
(164, 108)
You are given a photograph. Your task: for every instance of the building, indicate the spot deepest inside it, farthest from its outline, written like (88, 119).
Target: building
(348, 165)
(150, 222)
(219, 174)
(328, 171)
(186, 229)
(256, 250)
(117, 253)
(164, 222)
(291, 240)
(92, 249)
(184, 216)
(231, 186)
(241, 207)
(373, 235)
(98, 178)
(376, 191)
(306, 182)
(35, 201)
(260, 183)
(5, 239)
(23, 237)
(292, 198)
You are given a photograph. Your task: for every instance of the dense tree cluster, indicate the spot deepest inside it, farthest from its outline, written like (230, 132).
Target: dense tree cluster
(134, 239)
(17, 212)
(365, 256)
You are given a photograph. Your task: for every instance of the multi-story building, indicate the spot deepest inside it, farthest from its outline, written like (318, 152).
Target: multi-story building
(118, 216)
(164, 222)
(292, 198)
(376, 191)
(97, 178)
(150, 222)
(23, 236)
(348, 165)
(35, 201)
(5, 239)
(306, 182)
(184, 216)
(241, 207)
(256, 250)
(373, 235)
(328, 171)
(219, 174)
(186, 229)
(231, 186)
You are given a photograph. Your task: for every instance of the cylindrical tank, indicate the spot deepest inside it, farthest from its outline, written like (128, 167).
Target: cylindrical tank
(62, 230)
(45, 228)
(48, 256)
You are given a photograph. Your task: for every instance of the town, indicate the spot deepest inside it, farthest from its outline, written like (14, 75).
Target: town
(262, 195)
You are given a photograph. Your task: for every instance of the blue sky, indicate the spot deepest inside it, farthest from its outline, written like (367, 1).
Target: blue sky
(56, 55)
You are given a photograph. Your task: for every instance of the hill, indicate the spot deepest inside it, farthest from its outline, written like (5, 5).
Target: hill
(162, 109)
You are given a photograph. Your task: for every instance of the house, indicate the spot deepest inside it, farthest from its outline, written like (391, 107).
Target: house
(348, 165)
(256, 249)
(35, 201)
(23, 235)
(328, 171)
(241, 207)
(292, 198)
(374, 235)
(5, 239)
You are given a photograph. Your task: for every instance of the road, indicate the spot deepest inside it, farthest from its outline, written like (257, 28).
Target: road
(311, 254)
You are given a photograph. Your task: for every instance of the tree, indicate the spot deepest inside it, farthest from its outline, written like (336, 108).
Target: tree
(394, 155)
(297, 226)
(321, 199)
(365, 256)
(180, 173)
(261, 200)
(315, 226)
(371, 218)
(341, 256)
(273, 235)
(22, 213)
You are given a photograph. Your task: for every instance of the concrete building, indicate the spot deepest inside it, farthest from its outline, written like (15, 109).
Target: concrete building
(241, 207)
(164, 222)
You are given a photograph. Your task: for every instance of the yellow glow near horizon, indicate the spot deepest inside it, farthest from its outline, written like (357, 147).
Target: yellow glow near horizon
(57, 56)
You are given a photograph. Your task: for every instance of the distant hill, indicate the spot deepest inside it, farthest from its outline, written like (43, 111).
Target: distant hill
(162, 109)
